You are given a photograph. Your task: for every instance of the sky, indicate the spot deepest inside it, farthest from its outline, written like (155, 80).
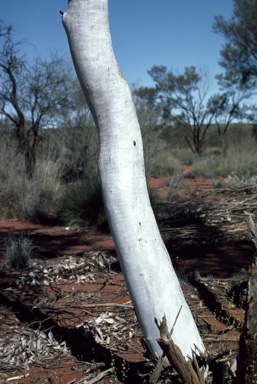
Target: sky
(144, 33)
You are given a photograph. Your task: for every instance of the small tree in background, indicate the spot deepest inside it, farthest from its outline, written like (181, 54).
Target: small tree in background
(229, 106)
(31, 95)
(182, 101)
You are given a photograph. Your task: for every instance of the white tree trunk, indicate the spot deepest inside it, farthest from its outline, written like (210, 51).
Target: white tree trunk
(145, 262)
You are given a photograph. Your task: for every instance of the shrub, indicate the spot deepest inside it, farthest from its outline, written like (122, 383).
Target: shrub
(185, 156)
(165, 164)
(242, 178)
(212, 166)
(219, 166)
(81, 203)
(21, 197)
(176, 184)
(39, 201)
(18, 252)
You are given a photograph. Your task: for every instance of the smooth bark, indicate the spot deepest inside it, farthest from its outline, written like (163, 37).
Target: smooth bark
(149, 275)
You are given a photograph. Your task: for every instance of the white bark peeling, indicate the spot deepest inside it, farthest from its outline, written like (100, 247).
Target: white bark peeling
(149, 275)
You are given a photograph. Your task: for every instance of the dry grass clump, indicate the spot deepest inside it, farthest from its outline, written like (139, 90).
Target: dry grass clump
(165, 164)
(18, 252)
(81, 203)
(184, 155)
(236, 162)
(25, 198)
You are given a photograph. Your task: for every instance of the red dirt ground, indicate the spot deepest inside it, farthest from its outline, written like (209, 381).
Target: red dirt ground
(226, 264)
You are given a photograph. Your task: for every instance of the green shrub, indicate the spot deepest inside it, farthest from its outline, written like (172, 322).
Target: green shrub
(184, 155)
(81, 203)
(18, 252)
(165, 164)
(212, 166)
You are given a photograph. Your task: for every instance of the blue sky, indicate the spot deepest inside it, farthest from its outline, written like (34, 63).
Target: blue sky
(144, 32)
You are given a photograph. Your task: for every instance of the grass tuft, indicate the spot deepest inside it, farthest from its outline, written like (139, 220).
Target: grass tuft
(81, 204)
(18, 252)
(165, 164)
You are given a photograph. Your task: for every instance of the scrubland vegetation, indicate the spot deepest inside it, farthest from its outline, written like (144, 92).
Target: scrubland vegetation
(49, 145)
(65, 188)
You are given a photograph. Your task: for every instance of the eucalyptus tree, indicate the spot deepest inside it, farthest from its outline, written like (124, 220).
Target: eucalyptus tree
(182, 100)
(149, 275)
(239, 60)
(4, 29)
(31, 95)
(239, 53)
(230, 104)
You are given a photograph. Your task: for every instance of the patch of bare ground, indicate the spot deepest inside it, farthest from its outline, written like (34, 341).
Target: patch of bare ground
(68, 318)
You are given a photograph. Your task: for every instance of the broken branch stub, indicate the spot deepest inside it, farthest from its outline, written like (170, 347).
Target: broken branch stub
(188, 370)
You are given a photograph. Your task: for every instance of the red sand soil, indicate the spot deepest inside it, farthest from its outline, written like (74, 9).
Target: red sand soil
(52, 243)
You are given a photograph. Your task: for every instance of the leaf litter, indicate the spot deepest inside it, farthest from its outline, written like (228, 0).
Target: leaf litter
(24, 345)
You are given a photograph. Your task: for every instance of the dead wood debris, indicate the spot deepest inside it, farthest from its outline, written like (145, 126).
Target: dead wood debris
(26, 346)
(114, 326)
(98, 378)
(188, 370)
(220, 211)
